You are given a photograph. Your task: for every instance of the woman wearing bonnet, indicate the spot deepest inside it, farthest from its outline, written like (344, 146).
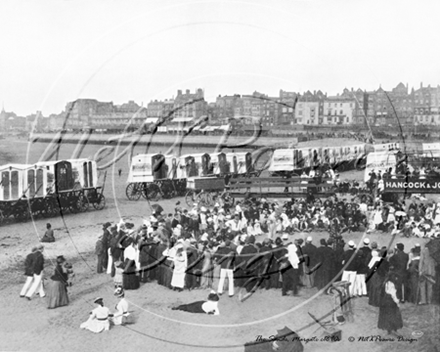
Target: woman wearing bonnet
(57, 289)
(378, 269)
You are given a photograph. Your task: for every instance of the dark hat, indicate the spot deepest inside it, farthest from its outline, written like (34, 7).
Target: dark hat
(61, 259)
(323, 241)
(213, 297)
(107, 224)
(251, 239)
(400, 246)
(99, 300)
(227, 243)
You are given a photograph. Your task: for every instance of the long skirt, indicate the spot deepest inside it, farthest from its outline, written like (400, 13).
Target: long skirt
(195, 307)
(56, 294)
(390, 318)
(130, 279)
(206, 279)
(374, 288)
(167, 274)
(95, 325)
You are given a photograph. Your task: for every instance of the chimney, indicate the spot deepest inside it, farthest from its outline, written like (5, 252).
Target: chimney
(187, 91)
(179, 92)
(421, 84)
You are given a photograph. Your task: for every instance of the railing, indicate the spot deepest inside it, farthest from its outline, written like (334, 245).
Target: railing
(280, 187)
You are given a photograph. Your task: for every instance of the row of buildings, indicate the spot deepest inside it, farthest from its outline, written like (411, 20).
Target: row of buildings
(349, 108)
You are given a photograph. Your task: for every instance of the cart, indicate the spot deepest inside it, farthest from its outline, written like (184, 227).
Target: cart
(206, 191)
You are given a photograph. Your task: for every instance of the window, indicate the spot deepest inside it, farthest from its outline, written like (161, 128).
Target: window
(300, 112)
(40, 186)
(5, 184)
(341, 112)
(31, 182)
(14, 185)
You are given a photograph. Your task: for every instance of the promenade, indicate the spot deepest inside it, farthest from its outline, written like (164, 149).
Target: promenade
(189, 141)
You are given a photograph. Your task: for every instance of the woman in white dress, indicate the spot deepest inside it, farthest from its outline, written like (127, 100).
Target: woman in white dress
(122, 314)
(180, 261)
(99, 318)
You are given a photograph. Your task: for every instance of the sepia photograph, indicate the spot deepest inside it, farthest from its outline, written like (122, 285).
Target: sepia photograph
(220, 175)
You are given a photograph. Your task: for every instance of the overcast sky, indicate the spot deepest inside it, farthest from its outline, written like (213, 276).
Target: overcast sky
(56, 51)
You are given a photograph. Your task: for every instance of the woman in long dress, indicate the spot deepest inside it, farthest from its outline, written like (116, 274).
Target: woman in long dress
(130, 278)
(122, 315)
(390, 318)
(57, 289)
(378, 269)
(180, 261)
(206, 280)
(413, 269)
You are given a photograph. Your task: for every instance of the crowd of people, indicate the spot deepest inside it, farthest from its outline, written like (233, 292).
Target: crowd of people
(258, 245)
(217, 249)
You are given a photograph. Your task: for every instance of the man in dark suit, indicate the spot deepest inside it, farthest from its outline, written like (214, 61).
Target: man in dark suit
(28, 264)
(310, 261)
(248, 262)
(399, 261)
(326, 258)
(37, 271)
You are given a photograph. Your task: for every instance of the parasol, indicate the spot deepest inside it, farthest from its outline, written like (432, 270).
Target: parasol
(400, 213)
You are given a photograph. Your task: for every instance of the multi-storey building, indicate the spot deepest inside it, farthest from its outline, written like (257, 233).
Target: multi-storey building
(361, 110)
(79, 112)
(391, 105)
(338, 110)
(427, 105)
(227, 107)
(160, 109)
(189, 106)
(309, 108)
(90, 113)
(286, 108)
